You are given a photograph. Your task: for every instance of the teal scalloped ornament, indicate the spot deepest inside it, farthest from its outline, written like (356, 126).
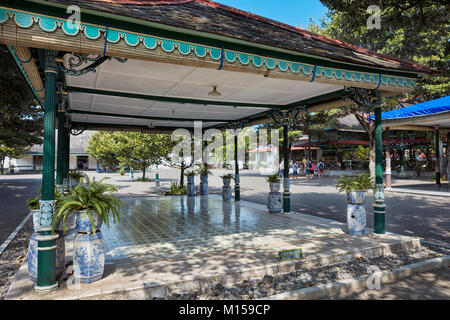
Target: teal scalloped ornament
(71, 28)
(270, 63)
(367, 77)
(48, 24)
(348, 76)
(384, 80)
(168, 45)
(283, 66)
(328, 73)
(294, 67)
(230, 56)
(4, 15)
(114, 36)
(131, 39)
(24, 20)
(200, 51)
(184, 48)
(150, 43)
(307, 70)
(392, 80)
(92, 32)
(244, 58)
(257, 61)
(338, 74)
(215, 53)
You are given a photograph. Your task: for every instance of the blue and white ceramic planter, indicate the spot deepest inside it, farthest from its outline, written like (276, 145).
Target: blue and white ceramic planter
(88, 257)
(204, 185)
(190, 186)
(226, 190)
(275, 199)
(32, 255)
(356, 213)
(83, 224)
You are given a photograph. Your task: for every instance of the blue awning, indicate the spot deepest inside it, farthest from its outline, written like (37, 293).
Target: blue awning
(421, 109)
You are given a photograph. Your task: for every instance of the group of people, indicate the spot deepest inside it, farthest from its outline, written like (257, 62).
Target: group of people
(308, 168)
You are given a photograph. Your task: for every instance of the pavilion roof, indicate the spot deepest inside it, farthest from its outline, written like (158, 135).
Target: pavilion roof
(214, 18)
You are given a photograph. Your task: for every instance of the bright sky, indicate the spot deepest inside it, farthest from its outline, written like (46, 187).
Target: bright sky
(292, 12)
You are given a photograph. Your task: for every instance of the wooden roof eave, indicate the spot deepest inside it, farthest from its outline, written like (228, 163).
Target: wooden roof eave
(57, 40)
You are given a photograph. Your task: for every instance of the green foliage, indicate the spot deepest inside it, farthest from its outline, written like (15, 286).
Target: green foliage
(175, 190)
(363, 182)
(76, 175)
(227, 176)
(33, 203)
(205, 170)
(411, 30)
(142, 179)
(20, 117)
(190, 173)
(95, 197)
(273, 178)
(361, 153)
(122, 171)
(102, 146)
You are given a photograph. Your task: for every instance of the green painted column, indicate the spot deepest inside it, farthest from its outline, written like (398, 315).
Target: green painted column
(286, 193)
(437, 166)
(46, 268)
(60, 150)
(379, 206)
(237, 187)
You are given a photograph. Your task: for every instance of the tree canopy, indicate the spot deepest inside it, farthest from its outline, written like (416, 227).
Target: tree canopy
(21, 124)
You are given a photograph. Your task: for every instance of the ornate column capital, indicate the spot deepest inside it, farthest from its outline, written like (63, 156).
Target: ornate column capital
(366, 99)
(234, 126)
(288, 116)
(51, 66)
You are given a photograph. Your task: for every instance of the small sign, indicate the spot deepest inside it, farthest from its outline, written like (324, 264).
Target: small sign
(293, 254)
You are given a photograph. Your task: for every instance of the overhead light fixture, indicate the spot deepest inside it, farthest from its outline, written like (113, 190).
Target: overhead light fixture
(214, 92)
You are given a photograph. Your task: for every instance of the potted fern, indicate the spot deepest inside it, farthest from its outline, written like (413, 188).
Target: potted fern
(204, 172)
(356, 189)
(226, 189)
(190, 184)
(75, 177)
(275, 200)
(92, 205)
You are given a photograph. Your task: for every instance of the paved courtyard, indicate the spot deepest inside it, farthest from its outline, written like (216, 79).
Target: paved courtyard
(182, 241)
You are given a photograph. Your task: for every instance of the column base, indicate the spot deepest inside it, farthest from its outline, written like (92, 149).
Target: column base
(41, 289)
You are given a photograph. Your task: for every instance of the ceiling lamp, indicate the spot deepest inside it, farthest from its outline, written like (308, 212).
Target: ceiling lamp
(214, 92)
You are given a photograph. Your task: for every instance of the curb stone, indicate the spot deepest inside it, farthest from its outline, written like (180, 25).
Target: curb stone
(14, 233)
(358, 283)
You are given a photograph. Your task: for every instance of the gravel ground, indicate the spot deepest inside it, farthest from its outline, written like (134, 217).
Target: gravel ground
(271, 285)
(14, 255)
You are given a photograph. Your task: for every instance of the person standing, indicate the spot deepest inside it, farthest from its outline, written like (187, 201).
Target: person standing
(313, 170)
(295, 170)
(321, 169)
(308, 169)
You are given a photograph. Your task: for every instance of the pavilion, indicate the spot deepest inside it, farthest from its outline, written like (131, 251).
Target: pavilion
(155, 66)
(433, 115)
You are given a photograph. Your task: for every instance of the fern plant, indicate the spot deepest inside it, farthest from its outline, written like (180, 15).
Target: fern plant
(275, 178)
(93, 198)
(76, 175)
(227, 176)
(363, 182)
(190, 173)
(175, 190)
(205, 170)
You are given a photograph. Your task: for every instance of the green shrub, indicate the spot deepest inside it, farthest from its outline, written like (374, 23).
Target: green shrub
(175, 190)
(275, 178)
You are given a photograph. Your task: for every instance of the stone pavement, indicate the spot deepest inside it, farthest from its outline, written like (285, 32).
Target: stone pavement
(164, 243)
(433, 285)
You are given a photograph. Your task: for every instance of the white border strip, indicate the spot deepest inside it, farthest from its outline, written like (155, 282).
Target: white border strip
(14, 233)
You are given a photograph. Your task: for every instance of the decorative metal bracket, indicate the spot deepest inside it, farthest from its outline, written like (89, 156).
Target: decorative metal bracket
(287, 117)
(78, 59)
(234, 126)
(366, 99)
(50, 61)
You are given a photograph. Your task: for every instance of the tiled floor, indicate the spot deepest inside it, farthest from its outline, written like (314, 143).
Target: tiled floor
(169, 227)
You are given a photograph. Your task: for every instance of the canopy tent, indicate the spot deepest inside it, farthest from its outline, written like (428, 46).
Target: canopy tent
(159, 65)
(422, 116)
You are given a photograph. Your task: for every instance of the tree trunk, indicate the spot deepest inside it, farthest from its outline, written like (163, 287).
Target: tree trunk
(143, 173)
(2, 164)
(182, 176)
